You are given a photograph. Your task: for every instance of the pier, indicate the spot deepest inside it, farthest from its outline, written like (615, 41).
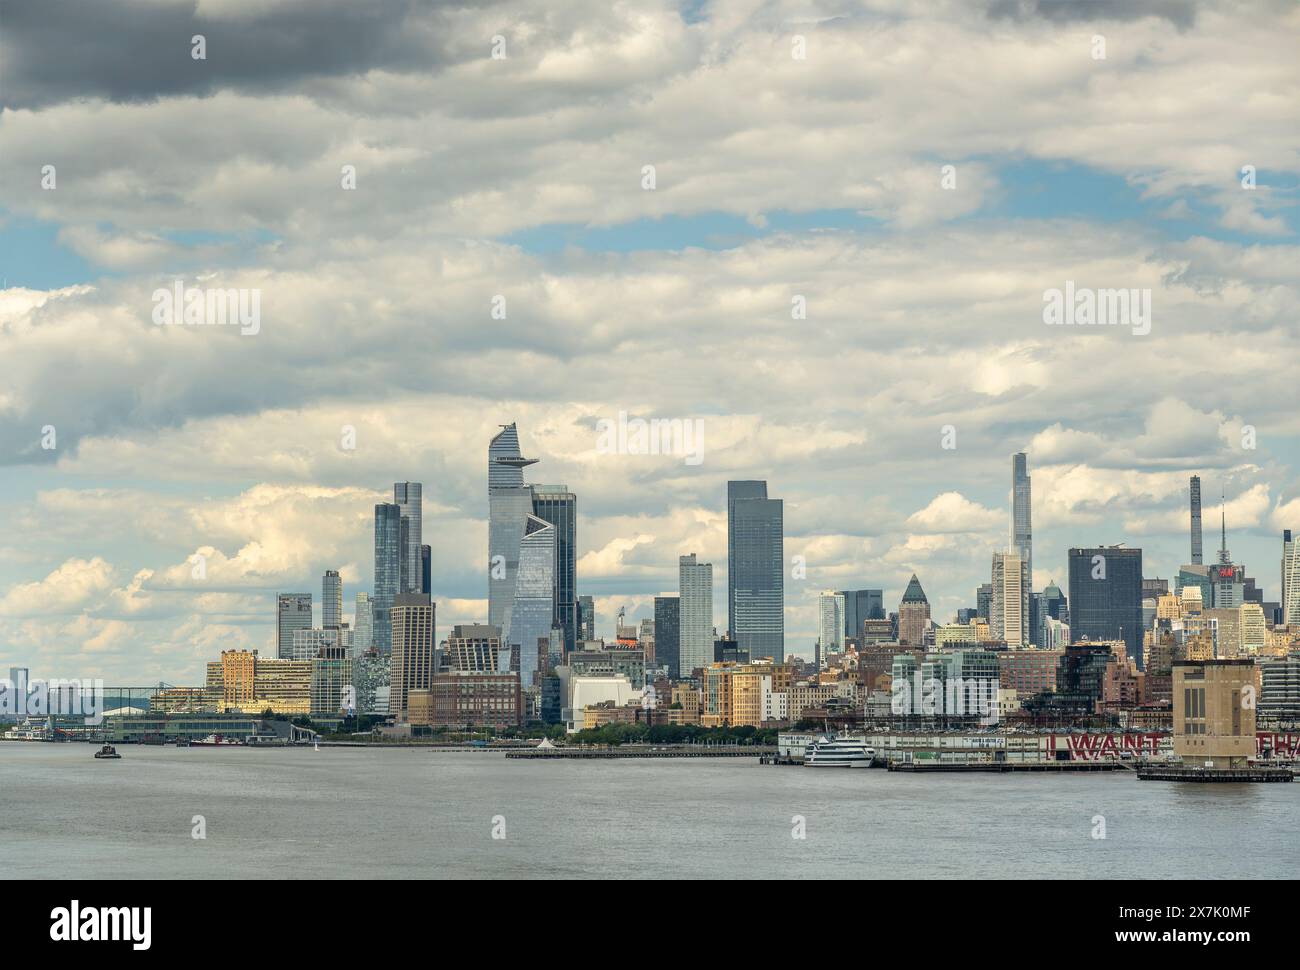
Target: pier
(1254, 773)
(658, 751)
(1054, 767)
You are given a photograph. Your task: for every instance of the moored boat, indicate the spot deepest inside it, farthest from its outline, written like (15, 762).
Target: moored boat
(838, 753)
(216, 741)
(107, 752)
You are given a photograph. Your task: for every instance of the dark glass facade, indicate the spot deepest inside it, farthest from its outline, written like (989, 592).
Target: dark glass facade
(859, 605)
(388, 572)
(755, 569)
(560, 508)
(1108, 607)
(668, 650)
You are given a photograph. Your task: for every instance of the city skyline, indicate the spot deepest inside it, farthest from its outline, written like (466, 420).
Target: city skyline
(836, 264)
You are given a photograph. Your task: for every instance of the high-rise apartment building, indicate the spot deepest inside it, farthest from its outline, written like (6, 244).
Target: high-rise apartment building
(830, 623)
(363, 625)
(755, 569)
(388, 572)
(1022, 530)
(1106, 596)
(1197, 553)
(331, 602)
(412, 656)
(408, 497)
(695, 593)
(1290, 579)
(1008, 618)
(586, 618)
(292, 612)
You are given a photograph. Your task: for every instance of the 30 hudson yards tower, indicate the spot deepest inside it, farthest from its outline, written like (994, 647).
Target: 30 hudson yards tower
(510, 502)
(755, 573)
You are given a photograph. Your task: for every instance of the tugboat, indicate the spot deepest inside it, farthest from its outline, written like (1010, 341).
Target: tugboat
(107, 751)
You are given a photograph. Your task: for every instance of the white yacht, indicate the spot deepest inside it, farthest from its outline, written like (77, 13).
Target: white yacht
(838, 753)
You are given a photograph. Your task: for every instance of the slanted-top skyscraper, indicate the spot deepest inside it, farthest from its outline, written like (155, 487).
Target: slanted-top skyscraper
(755, 570)
(510, 502)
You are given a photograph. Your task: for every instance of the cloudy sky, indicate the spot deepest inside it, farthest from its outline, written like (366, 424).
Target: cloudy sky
(524, 176)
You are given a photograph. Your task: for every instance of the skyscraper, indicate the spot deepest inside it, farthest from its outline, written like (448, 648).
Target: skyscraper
(1197, 555)
(859, 605)
(408, 497)
(388, 571)
(534, 600)
(331, 603)
(510, 502)
(830, 623)
(426, 570)
(1290, 579)
(1106, 596)
(913, 615)
(586, 618)
(412, 616)
(1008, 619)
(1022, 528)
(363, 623)
(558, 506)
(292, 612)
(695, 592)
(755, 570)
(668, 618)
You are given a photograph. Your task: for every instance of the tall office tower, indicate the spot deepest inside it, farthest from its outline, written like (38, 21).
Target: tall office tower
(292, 612)
(510, 502)
(860, 605)
(426, 570)
(1106, 596)
(331, 604)
(1008, 619)
(668, 644)
(1022, 531)
(984, 601)
(830, 623)
(412, 659)
(1197, 554)
(1290, 579)
(1053, 606)
(913, 615)
(363, 625)
(388, 572)
(408, 496)
(586, 618)
(755, 570)
(534, 601)
(695, 592)
(557, 505)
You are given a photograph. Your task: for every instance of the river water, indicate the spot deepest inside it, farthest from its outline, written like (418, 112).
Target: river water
(355, 812)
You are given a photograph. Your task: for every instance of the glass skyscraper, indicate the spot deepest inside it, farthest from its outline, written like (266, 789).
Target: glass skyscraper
(557, 505)
(388, 572)
(859, 605)
(292, 612)
(668, 618)
(755, 570)
(408, 496)
(510, 502)
(586, 618)
(363, 623)
(1109, 606)
(534, 600)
